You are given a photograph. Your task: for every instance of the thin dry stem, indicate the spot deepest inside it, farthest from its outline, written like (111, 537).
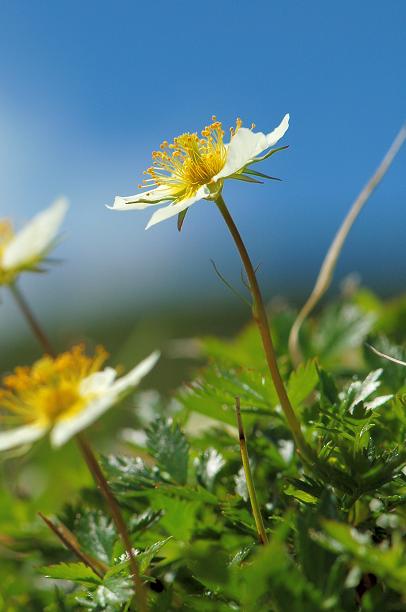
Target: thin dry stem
(69, 540)
(327, 268)
(385, 356)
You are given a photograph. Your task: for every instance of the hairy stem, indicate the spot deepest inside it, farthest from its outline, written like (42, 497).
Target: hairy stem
(327, 268)
(263, 538)
(260, 317)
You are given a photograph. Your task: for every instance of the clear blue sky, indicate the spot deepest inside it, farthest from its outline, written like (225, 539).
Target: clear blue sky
(90, 88)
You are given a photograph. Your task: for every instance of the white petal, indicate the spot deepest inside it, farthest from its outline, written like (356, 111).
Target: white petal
(36, 237)
(141, 200)
(174, 209)
(98, 383)
(246, 145)
(66, 428)
(136, 374)
(21, 435)
(276, 134)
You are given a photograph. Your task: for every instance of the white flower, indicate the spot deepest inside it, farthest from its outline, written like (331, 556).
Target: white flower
(194, 167)
(25, 250)
(62, 395)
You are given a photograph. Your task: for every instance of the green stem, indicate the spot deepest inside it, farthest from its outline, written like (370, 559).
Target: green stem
(90, 460)
(260, 317)
(263, 538)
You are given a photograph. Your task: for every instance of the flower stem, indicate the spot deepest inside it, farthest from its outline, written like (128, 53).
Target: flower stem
(263, 538)
(117, 517)
(31, 320)
(260, 318)
(90, 459)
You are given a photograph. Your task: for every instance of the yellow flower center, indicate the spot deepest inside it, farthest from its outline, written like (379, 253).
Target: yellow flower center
(190, 162)
(49, 391)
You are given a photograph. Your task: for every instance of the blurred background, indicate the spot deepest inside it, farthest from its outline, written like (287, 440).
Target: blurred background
(90, 89)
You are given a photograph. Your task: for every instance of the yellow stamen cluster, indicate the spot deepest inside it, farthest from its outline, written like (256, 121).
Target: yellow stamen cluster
(189, 162)
(50, 390)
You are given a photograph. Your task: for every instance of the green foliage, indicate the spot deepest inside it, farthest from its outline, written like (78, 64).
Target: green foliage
(336, 522)
(168, 446)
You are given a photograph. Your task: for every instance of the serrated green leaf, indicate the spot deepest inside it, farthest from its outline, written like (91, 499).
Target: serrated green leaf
(179, 516)
(169, 447)
(96, 534)
(341, 328)
(144, 559)
(112, 593)
(207, 465)
(388, 562)
(77, 572)
(214, 393)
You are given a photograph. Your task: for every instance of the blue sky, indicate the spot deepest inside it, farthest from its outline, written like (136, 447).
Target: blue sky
(90, 88)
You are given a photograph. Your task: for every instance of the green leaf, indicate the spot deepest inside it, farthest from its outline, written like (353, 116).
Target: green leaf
(111, 594)
(387, 562)
(341, 328)
(209, 564)
(169, 447)
(77, 572)
(144, 559)
(302, 382)
(215, 392)
(360, 390)
(96, 534)
(130, 475)
(207, 465)
(301, 495)
(179, 516)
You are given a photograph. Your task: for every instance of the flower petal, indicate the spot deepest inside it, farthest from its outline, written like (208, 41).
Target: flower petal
(21, 435)
(136, 374)
(273, 137)
(36, 237)
(174, 209)
(66, 428)
(98, 383)
(141, 200)
(246, 145)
